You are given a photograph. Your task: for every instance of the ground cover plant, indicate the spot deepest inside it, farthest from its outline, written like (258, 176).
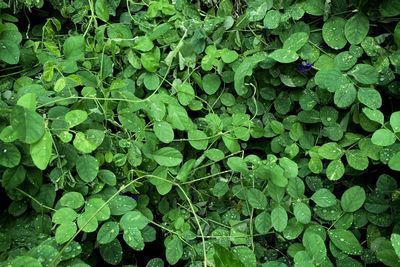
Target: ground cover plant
(199, 133)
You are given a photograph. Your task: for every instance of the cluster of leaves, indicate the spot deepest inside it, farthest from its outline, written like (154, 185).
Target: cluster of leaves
(223, 133)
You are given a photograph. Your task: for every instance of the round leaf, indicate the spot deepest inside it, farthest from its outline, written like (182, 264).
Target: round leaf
(333, 32)
(87, 168)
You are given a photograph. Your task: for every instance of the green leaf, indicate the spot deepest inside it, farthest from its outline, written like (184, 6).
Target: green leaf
(244, 69)
(284, 55)
(74, 48)
(353, 199)
(112, 252)
(356, 28)
(173, 249)
(65, 232)
(279, 218)
(8, 134)
(333, 32)
(324, 198)
(237, 164)
(302, 213)
(9, 155)
(151, 60)
(185, 93)
(64, 215)
(133, 238)
(9, 51)
(168, 156)
(28, 101)
(211, 83)
(383, 137)
(120, 205)
(345, 241)
(228, 56)
(107, 232)
(395, 121)
(357, 160)
(151, 81)
(395, 239)
(28, 125)
(397, 34)
(345, 95)
(164, 132)
(296, 41)
(364, 73)
(335, 170)
(256, 198)
(331, 79)
(75, 117)
(330, 151)
(41, 151)
(87, 222)
(225, 258)
(198, 139)
(72, 200)
(394, 162)
(214, 154)
(102, 10)
(143, 43)
(314, 7)
(272, 19)
(87, 168)
(97, 207)
(315, 246)
(21, 261)
(87, 142)
(13, 177)
(133, 219)
(369, 97)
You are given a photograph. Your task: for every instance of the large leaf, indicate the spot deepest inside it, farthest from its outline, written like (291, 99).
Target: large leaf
(41, 151)
(345, 241)
(225, 258)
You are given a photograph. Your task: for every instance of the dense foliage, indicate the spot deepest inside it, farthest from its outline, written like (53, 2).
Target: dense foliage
(199, 133)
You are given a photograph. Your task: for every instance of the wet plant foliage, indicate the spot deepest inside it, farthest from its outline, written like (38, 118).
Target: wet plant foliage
(258, 133)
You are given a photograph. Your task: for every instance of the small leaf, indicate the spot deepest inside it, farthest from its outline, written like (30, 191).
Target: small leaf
(383, 137)
(28, 125)
(395, 121)
(87, 168)
(330, 151)
(302, 213)
(296, 41)
(41, 151)
(395, 239)
(73, 200)
(168, 156)
(357, 160)
(211, 83)
(143, 43)
(74, 47)
(394, 162)
(353, 199)
(237, 164)
(102, 10)
(370, 97)
(324, 198)
(174, 250)
(164, 132)
(256, 198)
(279, 218)
(356, 28)
(9, 155)
(333, 32)
(225, 258)
(345, 241)
(284, 55)
(198, 139)
(107, 232)
(335, 170)
(133, 238)
(65, 232)
(365, 74)
(75, 117)
(133, 219)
